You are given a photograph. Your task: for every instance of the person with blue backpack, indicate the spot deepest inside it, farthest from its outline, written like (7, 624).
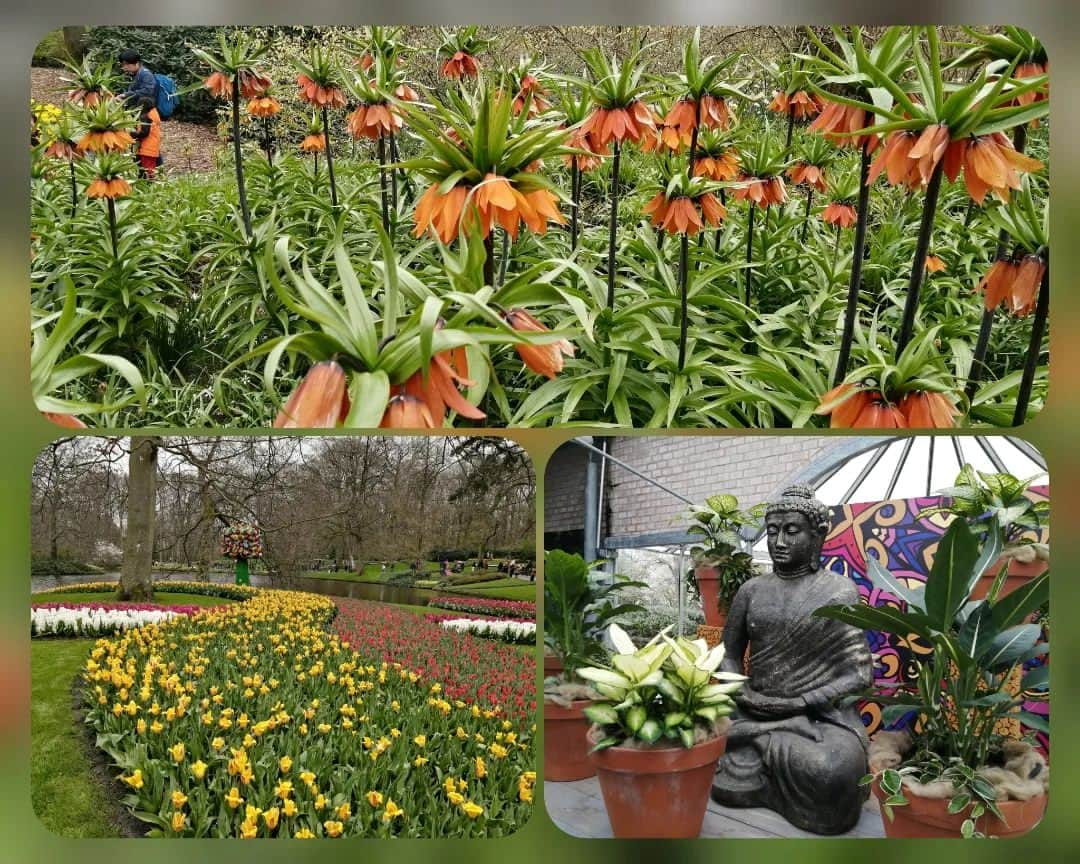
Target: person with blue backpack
(160, 89)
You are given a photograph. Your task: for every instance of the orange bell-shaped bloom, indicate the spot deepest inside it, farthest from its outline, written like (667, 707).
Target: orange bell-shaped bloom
(714, 113)
(837, 213)
(835, 120)
(316, 94)
(631, 123)
(107, 141)
(843, 405)
(117, 187)
(439, 390)
(722, 167)
(990, 164)
(923, 409)
(580, 141)
(321, 401)
(253, 84)
(264, 106)
(934, 264)
(405, 411)
(811, 175)
(373, 121)
(220, 85)
(461, 65)
(313, 144)
(546, 360)
(68, 421)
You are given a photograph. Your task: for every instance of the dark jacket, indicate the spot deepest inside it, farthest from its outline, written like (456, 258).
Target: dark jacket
(143, 85)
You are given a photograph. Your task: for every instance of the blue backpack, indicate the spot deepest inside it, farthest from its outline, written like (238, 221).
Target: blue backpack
(167, 98)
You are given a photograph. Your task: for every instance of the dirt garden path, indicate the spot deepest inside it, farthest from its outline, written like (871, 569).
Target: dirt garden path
(187, 147)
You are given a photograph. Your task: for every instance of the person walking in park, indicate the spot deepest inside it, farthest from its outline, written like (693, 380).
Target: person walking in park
(143, 83)
(148, 138)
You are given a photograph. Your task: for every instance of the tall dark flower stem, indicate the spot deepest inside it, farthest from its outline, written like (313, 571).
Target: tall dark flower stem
(613, 224)
(315, 168)
(393, 176)
(489, 259)
(74, 188)
(383, 193)
(684, 284)
(855, 282)
(835, 247)
(112, 227)
(790, 129)
(750, 251)
(1031, 363)
(238, 158)
(918, 266)
(575, 199)
(504, 258)
(329, 155)
(982, 343)
(806, 213)
(268, 144)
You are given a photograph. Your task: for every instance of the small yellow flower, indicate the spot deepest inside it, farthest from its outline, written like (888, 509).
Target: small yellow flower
(285, 764)
(270, 817)
(156, 727)
(304, 834)
(344, 811)
(395, 733)
(217, 743)
(249, 830)
(395, 705)
(333, 829)
(179, 799)
(320, 802)
(135, 780)
(307, 777)
(324, 727)
(198, 769)
(498, 751)
(140, 726)
(289, 807)
(471, 810)
(480, 767)
(179, 820)
(392, 811)
(420, 740)
(177, 752)
(234, 799)
(375, 799)
(461, 733)
(455, 798)
(283, 789)
(419, 761)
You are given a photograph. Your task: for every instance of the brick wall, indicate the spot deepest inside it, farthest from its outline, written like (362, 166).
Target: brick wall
(564, 489)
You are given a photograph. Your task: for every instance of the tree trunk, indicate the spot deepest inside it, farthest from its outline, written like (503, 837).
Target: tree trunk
(75, 42)
(136, 578)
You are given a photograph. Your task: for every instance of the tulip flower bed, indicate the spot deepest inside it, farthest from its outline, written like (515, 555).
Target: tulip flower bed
(650, 238)
(205, 589)
(475, 670)
(511, 632)
(99, 619)
(482, 606)
(253, 721)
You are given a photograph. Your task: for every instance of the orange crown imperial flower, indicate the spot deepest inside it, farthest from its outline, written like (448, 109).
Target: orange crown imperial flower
(107, 141)
(321, 401)
(404, 411)
(836, 119)
(544, 360)
(680, 215)
(990, 164)
(840, 214)
(252, 83)
(631, 123)
(762, 191)
(811, 175)
(373, 121)
(220, 85)
(313, 144)
(439, 392)
(722, 167)
(923, 409)
(316, 94)
(460, 65)
(117, 187)
(263, 106)
(1013, 284)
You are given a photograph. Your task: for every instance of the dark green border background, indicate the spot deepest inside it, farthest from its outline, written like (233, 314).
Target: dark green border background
(24, 432)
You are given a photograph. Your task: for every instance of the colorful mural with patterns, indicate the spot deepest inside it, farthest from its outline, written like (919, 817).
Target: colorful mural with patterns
(904, 542)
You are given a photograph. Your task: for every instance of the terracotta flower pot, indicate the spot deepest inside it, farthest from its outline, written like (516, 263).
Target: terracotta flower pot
(565, 745)
(929, 817)
(708, 580)
(552, 665)
(658, 792)
(1019, 573)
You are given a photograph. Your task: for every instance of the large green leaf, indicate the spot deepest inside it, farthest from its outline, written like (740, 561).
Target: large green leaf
(946, 586)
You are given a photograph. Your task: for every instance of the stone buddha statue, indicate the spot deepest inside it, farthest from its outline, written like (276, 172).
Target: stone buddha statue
(792, 747)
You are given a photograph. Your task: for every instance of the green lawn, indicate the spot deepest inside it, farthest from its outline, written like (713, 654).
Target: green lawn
(64, 792)
(162, 598)
(511, 591)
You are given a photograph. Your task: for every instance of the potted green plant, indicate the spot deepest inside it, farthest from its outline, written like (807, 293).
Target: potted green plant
(720, 564)
(658, 731)
(1000, 503)
(577, 607)
(948, 780)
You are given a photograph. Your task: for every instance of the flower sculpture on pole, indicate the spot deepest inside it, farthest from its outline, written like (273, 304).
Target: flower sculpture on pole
(320, 84)
(234, 75)
(684, 207)
(619, 115)
(460, 48)
(482, 170)
(242, 541)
